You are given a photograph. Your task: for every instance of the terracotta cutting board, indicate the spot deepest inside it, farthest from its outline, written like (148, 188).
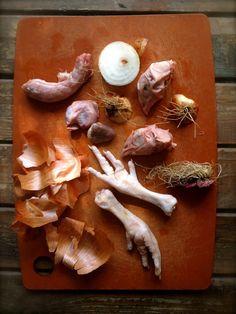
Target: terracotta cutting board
(48, 45)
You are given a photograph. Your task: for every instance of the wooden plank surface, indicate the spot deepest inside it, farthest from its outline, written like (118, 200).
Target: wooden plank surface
(8, 243)
(225, 252)
(6, 92)
(73, 6)
(226, 112)
(223, 37)
(220, 297)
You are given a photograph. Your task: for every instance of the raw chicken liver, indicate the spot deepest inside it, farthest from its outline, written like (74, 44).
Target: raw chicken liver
(100, 133)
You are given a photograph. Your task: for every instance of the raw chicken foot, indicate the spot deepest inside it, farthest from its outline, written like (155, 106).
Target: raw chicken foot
(127, 182)
(136, 229)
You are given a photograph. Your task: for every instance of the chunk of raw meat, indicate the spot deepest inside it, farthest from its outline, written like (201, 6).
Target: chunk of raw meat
(100, 133)
(148, 140)
(153, 83)
(81, 114)
(68, 83)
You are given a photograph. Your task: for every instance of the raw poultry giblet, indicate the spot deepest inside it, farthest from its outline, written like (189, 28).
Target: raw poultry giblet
(153, 83)
(148, 140)
(68, 83)
(81, 114)
(100, 133)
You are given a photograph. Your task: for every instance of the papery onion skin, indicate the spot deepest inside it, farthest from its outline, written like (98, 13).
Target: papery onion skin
(98, 252)
(53, 179)
(35, 151)
(37, 211)
(52, 237)
(78, 246)
(67, 167)
(68, 230)
(119, 63)
(140, 45)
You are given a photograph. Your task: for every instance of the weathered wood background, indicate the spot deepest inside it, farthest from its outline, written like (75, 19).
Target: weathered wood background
(221, 296)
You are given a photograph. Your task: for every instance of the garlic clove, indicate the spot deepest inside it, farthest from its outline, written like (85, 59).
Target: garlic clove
(119, 63)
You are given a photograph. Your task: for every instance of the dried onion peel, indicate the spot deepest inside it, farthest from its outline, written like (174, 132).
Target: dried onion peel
(184, 173)
(38, 211)
(44, 192)
(35, 151)
(140, 45)
(78, 246)
(119, 63)
(66, 167)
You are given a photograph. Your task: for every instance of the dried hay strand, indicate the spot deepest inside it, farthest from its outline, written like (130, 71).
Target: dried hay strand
(185, 173)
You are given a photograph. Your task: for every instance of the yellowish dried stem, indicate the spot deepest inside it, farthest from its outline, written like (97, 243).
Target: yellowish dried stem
(183, 172)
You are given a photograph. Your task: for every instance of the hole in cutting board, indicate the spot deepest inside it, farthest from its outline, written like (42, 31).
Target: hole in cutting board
(43, 265)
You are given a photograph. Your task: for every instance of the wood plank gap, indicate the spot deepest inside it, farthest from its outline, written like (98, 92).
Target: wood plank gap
(226, 145)
(7, 76)
(225, 212)
(6, 142)
(120, 11)
(11, 270)
(216, 276)
(225, 79)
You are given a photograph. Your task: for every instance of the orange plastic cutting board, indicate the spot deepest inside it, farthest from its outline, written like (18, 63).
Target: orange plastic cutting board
(48, 45)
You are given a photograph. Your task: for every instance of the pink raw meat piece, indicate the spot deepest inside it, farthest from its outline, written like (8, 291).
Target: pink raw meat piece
(153, 83)
(148, 140)
(81, 114)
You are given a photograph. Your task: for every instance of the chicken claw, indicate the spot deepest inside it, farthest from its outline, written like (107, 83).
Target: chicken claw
(137, 231)
(127, 182)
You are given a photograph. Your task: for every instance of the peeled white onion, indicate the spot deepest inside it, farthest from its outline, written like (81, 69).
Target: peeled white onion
(119, 63)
